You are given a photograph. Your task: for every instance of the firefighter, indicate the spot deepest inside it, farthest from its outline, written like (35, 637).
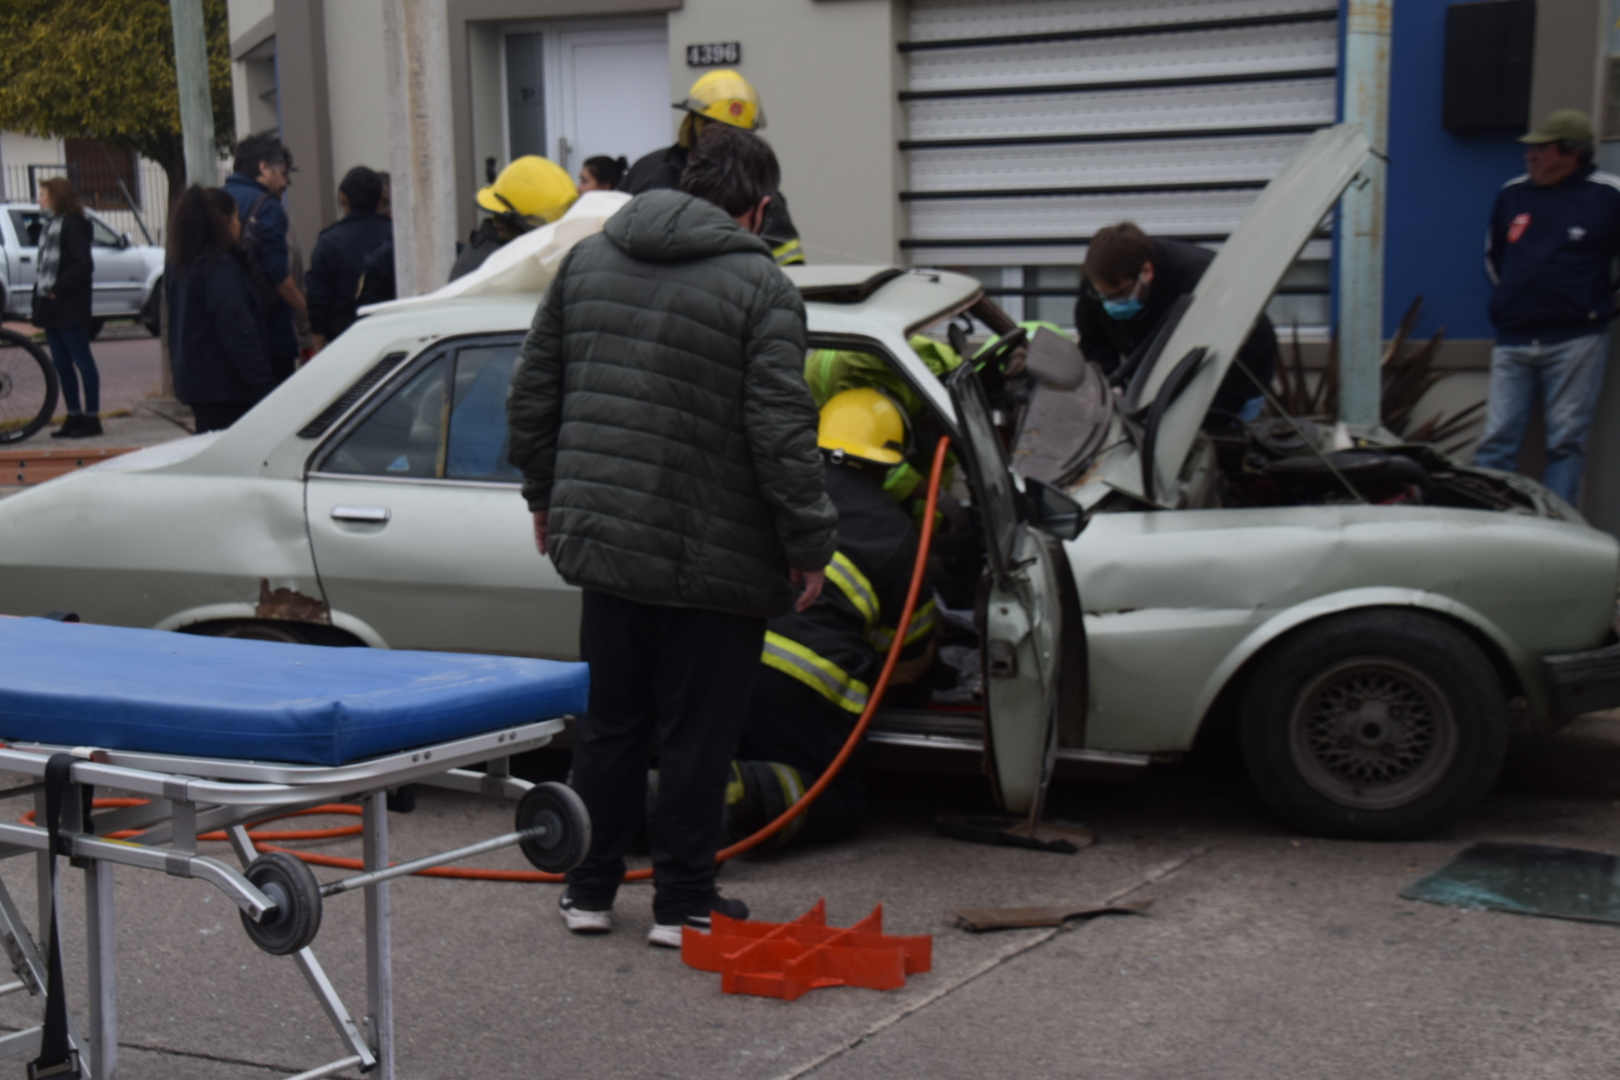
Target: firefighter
(819, 666)
(528, 193)
(727, 98)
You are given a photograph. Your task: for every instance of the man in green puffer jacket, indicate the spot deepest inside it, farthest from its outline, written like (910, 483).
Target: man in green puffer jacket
(668, 446)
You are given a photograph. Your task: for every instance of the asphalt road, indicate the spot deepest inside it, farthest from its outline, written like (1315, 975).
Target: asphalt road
(1264, 955)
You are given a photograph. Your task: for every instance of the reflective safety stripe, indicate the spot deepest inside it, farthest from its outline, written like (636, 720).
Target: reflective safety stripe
(923, 622)
(792, 789)
(853, 584)
(901, 481)
(788, 254)
(818, 673)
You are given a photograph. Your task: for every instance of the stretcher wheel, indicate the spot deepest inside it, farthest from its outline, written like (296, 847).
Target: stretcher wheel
(568, 827)
(296, 918)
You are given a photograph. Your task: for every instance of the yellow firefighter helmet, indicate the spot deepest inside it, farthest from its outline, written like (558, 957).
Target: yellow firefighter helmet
(530, 187)
(727, 97)
(864, 423)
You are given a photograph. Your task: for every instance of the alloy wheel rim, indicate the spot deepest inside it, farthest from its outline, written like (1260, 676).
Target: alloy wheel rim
(1372, 733)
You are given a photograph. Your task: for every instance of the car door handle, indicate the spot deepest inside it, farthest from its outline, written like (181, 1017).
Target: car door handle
(25, 258)
(370, 515)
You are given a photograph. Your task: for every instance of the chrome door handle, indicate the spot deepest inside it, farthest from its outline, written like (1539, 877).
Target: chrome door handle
(370, 515)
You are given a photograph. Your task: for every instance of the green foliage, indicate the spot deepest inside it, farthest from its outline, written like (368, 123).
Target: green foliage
(104, 69)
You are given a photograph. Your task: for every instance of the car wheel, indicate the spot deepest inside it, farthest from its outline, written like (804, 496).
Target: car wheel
(288, 633)
(1377, 724)
(95, 328)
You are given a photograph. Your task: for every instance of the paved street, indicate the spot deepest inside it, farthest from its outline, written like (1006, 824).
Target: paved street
(1264, 955)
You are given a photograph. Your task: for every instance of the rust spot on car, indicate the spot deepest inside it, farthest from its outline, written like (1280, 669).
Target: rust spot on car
(290, 605)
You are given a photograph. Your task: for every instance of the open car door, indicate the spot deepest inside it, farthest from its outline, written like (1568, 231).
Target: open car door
(1021, 634)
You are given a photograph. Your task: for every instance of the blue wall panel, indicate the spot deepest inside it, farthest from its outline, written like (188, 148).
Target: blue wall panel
(1440, 188)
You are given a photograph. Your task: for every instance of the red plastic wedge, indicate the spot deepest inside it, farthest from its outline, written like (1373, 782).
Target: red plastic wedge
(784, 960)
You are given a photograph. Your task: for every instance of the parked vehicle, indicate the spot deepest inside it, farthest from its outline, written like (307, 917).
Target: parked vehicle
(1366, 615)
(126, 279)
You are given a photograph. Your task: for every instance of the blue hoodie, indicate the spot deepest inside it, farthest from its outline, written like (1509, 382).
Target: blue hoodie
(1550, 253)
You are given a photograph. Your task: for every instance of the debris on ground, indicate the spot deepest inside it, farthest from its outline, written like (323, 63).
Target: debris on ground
(1527, 879)
(978, 920)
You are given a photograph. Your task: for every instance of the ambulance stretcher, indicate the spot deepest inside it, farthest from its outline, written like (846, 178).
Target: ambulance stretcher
(216, 733)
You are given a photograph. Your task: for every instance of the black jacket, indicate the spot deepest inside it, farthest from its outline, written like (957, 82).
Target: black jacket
(1177, 267)
(861, 602)
(663, 168)
(75, 279)
(660, 414)
(481, 244)
(217, 343)
(377, 283)
(1550, 253)
(332, 284)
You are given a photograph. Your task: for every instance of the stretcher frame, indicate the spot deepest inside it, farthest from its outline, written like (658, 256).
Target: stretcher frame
(193, 795)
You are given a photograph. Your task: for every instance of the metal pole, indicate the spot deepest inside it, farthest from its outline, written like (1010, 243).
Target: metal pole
(417, 49)
(101, 951)
(196, 105)
(379, 943)
(1361, 228)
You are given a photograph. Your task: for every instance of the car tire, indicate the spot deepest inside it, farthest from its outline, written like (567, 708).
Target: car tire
(1375, 724)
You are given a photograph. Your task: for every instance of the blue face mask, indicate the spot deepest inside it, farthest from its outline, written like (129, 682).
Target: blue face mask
(1128, 308)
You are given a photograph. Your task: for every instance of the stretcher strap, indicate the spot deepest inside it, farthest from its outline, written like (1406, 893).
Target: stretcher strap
(57, 1058)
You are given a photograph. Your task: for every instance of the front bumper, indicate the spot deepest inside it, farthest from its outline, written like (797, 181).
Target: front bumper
(1583, 682)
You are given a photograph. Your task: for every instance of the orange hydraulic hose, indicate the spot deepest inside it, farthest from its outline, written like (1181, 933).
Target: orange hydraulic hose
(918, 573)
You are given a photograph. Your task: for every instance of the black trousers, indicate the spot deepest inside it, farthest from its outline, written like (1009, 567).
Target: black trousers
(682, 677)
(218, 415)
(792, 724)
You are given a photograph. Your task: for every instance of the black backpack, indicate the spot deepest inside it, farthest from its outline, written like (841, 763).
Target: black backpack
(252, 245)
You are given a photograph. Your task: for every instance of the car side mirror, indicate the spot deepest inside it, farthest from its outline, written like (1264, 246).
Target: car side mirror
(1051, 510)
(124, 241)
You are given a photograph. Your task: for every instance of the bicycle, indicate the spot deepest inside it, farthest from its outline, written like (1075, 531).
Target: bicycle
(28, 387)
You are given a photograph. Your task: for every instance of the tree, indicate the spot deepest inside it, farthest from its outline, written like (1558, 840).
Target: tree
(104, 69)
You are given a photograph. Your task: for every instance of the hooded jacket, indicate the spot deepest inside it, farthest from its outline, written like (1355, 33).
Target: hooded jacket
(660, 415)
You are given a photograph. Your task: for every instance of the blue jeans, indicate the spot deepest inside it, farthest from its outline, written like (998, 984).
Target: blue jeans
(70, 349)
(1569, 374)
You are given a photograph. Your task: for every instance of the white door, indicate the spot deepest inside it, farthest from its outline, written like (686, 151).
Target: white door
(120, 273)
(615, 94)
(581, 89)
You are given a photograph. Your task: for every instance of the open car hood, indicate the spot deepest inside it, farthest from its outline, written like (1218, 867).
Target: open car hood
(1229, 299)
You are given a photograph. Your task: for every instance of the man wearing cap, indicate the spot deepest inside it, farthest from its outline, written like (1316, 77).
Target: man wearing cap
(1553, 238)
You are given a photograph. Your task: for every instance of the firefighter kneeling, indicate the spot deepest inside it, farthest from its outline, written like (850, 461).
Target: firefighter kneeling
(819, 665)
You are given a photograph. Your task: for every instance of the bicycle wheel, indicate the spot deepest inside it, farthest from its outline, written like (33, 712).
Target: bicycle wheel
(27, 387)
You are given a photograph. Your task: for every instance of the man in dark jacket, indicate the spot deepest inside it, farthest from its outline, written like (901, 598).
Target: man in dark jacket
(720, 97)
(340, 255)
(668, 446)
(1550, 251)
(1129, 285)
(261, 176)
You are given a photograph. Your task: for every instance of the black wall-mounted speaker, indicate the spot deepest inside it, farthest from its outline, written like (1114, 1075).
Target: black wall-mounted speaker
(1489, 51)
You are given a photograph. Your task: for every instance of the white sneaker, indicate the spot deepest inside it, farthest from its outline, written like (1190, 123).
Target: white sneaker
(585, 921)
(668, 935)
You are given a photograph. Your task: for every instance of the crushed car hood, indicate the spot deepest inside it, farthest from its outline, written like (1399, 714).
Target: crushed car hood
(1228, 300)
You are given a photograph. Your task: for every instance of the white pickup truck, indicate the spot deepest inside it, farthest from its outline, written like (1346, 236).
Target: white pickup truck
(126, 278)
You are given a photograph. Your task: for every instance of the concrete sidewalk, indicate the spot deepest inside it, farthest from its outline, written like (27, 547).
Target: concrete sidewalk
(1265, 954)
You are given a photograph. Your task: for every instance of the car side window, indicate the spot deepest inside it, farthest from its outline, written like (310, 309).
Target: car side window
(102, 235)
(404, 436)
(27, 224)
(477, 445)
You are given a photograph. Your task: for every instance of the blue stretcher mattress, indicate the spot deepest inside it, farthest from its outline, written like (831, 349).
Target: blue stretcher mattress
(160, 692)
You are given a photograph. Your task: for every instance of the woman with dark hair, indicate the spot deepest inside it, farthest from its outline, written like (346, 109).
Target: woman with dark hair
(217, 336)
(602, 173)
(62, 284)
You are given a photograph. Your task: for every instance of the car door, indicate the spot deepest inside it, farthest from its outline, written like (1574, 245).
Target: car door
(1022, 628)
(120, 274)
(25, 227)
(416, 519)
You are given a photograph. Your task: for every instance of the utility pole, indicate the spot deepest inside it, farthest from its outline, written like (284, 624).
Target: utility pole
(196, 105)
(416, 43)
(1361, 220)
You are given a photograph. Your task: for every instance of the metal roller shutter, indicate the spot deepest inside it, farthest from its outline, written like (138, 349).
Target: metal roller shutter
(1032, 123)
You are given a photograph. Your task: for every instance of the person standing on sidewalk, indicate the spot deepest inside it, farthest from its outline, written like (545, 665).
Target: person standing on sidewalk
(216, 322)
(263, 174)
(339, 260)
(63, 280)
(667, 442)
(1550, 251)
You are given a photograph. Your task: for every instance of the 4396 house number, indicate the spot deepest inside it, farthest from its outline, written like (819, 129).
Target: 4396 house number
(715, 55)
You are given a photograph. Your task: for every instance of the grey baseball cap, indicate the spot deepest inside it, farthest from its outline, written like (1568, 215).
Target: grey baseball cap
(1565, 125)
